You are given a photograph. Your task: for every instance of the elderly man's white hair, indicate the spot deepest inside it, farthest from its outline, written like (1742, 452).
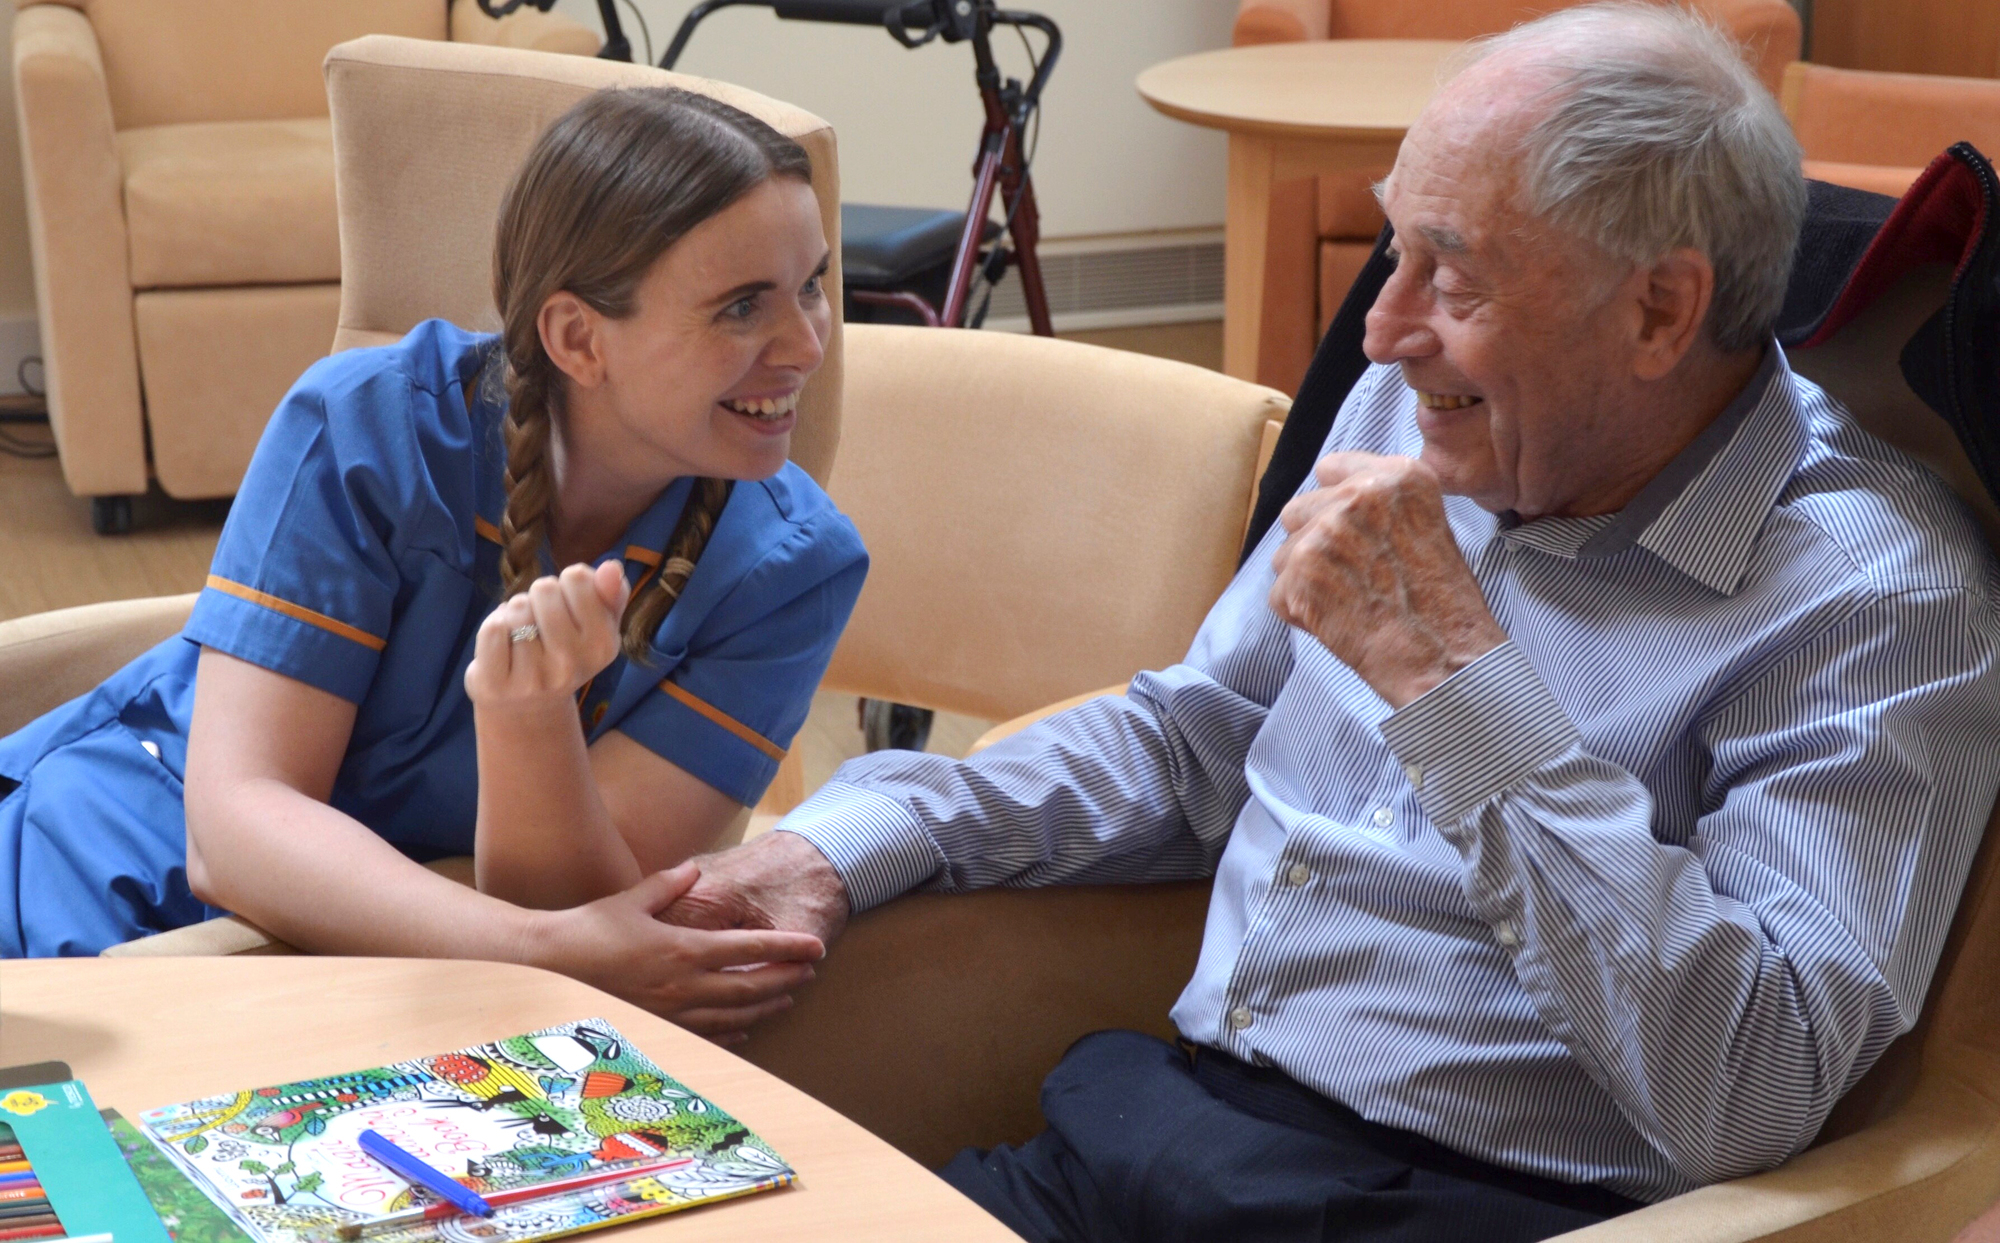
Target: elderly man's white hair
(1657, 136)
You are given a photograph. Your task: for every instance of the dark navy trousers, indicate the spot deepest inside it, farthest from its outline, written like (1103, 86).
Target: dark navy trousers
(1149, 1143)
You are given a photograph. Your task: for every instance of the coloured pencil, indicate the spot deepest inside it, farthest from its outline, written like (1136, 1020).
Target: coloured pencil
(25, 1208)
(52, 1230)
(22, 1191)
(42, 1215)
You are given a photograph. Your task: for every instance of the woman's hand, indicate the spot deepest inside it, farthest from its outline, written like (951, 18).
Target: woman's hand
(713, 983)
(575, 615)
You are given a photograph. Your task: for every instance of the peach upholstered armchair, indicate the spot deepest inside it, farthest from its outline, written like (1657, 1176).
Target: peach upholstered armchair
(181, 213)
(1876, 131)
(1323, 229)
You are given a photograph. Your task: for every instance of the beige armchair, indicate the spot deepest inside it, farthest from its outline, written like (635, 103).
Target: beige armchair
(181, 212)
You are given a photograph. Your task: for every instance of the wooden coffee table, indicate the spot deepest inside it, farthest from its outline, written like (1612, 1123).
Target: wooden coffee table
(1292, 110)
(142, 1032)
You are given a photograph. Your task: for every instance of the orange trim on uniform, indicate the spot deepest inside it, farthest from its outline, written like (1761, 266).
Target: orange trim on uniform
(484, 529)
(726, 721)
(644, 556)
(298, 612)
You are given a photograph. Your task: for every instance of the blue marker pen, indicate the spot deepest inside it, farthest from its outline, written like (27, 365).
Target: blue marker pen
(458, 1194)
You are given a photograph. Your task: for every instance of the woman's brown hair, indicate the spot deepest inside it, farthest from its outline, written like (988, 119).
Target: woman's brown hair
(606, 190)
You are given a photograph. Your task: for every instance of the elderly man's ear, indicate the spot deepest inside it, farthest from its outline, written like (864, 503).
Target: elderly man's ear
(1670, 300)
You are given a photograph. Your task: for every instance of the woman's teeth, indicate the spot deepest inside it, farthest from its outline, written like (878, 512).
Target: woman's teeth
(764, 407)
(1446, 401)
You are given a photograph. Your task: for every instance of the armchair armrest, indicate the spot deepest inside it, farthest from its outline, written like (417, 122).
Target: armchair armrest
(1007, 729)
(1280, 21)
(526, 28)
(1919, 1174)
(233, 934)
(935, 1019)
(76, 227)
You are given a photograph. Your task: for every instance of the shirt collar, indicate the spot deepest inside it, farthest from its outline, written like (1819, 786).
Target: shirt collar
(1702, 512)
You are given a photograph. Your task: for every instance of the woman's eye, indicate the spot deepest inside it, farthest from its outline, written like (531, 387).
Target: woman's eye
(813, 286)
(742, 308)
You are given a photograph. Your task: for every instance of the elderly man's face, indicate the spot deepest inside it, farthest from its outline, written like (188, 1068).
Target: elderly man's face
(1500, 325)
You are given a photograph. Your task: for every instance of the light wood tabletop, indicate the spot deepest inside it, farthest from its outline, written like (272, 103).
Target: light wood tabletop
(155, 1031)
(1292, 110)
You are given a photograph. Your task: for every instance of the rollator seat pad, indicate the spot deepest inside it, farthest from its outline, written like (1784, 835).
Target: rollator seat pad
(889, 247)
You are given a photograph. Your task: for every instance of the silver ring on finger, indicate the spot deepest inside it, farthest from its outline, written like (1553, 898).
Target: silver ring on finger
(524, 634)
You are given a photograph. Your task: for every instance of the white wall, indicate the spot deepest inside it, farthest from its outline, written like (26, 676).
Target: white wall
(908, 120)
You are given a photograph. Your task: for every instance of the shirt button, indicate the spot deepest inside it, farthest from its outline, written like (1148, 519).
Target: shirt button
(1298, 874)
(1239, 1018)
(1415, 772)
(1384, 817)
(1505, 933)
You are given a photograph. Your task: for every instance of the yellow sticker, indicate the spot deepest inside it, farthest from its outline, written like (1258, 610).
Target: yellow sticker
(23, 1102)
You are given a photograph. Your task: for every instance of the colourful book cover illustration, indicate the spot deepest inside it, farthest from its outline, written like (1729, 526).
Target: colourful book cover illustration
(568, 1101)
(188, 1214)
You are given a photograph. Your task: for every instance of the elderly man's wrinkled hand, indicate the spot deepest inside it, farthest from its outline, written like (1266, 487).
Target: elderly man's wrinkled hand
(778, 881)
(1371, 569)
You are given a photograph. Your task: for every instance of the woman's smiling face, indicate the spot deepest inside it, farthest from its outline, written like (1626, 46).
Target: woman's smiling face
(703, 377)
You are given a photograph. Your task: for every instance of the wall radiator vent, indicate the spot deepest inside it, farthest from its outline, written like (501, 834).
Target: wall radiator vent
(1107, 286)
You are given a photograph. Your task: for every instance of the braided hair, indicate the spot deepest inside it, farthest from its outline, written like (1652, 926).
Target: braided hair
(606, 190)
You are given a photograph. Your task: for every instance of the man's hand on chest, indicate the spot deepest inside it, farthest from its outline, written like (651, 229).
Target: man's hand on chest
(1370, 568)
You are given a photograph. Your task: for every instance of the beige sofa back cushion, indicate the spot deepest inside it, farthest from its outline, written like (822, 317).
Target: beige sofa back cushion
(168, 61)
(426, 137)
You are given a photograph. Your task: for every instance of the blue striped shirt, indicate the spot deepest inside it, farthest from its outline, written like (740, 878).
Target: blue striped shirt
(1632, 899)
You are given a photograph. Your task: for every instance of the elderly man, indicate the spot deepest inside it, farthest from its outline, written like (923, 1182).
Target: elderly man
(1589, 765)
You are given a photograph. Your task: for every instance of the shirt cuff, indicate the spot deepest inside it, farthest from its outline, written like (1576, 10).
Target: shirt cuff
(878, 845)
(1478, 732)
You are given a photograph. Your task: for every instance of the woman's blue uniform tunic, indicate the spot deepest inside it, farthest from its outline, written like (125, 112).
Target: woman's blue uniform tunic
(360, 557)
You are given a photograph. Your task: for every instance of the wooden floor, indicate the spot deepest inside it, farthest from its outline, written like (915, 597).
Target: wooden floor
(53, 560)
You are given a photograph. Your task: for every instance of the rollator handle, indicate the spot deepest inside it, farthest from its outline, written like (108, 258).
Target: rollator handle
(504, 7)
(852, 12)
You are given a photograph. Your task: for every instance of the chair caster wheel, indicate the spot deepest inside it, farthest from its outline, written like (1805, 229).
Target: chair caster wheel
(889, 726)
(111, 515)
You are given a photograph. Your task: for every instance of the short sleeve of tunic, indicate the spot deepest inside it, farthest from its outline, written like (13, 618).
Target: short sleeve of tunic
(306, 575)
(735, 691)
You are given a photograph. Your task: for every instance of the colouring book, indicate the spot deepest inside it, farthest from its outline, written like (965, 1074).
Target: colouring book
(286, 1164)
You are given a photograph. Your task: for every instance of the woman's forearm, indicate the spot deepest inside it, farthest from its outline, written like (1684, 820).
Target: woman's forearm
(544, 838)
(319, 880)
